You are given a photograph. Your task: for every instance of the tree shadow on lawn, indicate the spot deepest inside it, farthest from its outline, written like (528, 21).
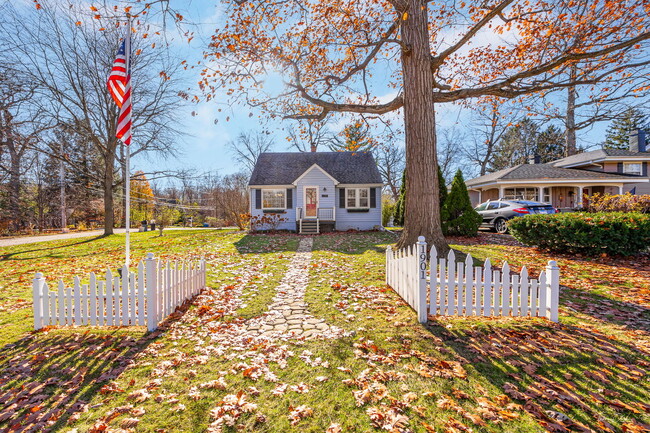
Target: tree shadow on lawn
(566, 377)
(617, 280)
(11, 256)
(351, 242)
(630, 315)
(49, 376)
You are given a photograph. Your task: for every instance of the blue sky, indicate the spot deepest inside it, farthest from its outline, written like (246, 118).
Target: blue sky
(208, 131)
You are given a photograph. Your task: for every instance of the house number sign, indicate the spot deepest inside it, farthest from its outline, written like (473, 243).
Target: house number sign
(423, 261)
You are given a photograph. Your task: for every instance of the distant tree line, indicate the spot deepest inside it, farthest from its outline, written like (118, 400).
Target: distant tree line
(60, 162)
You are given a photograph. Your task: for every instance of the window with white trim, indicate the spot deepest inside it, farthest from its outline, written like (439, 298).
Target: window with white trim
(632, 168)
(357, 198)
(274, 199)
(521, 194)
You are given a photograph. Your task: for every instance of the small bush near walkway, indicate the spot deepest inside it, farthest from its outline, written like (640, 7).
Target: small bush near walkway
(585, 233)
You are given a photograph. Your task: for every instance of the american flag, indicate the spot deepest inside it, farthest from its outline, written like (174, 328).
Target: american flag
(119, 86)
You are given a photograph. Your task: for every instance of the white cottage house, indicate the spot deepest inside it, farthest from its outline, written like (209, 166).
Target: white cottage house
(317, 191)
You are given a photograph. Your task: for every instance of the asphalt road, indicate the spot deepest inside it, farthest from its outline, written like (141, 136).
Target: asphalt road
(9, 242)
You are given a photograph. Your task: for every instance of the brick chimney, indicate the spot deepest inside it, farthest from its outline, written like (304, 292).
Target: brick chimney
(637, 141)
(534, 159)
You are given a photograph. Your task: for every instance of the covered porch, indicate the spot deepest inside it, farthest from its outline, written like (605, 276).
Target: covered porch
(562, 197)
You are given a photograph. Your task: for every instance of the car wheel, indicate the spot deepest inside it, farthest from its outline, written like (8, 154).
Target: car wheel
(501, 225)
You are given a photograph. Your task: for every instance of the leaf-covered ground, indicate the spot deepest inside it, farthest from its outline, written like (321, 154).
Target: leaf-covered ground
(202, 371)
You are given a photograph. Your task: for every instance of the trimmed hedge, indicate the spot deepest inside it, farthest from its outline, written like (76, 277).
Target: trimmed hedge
(585, 233)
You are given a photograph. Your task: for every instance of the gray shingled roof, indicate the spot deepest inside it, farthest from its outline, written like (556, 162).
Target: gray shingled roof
(283, 168)
(585, 157)
(545, 171)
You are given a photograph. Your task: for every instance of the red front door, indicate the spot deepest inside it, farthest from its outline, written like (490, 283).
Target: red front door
(311, 201)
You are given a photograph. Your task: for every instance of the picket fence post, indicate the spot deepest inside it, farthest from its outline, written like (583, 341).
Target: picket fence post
(553, 290)
(389, 251)
(422, 280)
(152, 292)
(37, 285)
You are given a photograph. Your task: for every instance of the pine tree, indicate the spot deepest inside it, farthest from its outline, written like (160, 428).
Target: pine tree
(618, 132)
(442, 188)
(356, 138)
(458, 216)
(398, 218)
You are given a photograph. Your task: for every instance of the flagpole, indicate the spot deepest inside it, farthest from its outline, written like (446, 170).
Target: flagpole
(127, 210)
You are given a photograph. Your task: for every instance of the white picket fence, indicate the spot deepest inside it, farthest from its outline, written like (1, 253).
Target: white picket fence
(144, 297)
(439, 286)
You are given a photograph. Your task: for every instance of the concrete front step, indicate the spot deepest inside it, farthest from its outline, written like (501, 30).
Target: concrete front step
(309, 228)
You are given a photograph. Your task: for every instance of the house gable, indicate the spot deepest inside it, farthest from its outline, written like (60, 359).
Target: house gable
(315, 167)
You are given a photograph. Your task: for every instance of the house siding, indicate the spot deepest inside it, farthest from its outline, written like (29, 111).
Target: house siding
(488, 194)
(346, 220)
(316, 177)
(610, 167)
(474, 197)
(641, 188)
(289, 215)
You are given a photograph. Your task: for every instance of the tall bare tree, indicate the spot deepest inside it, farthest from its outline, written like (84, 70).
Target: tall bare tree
(247, 148)
(18, 133)
(390, 160)
(492, 121)
(231, 196)
(450, 143)
(68, 55)
(308, 136)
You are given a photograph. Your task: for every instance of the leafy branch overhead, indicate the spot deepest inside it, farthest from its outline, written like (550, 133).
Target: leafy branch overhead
(330, 50)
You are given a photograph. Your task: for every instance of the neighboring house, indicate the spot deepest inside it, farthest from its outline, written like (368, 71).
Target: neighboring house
(318, 191)
(566, 182)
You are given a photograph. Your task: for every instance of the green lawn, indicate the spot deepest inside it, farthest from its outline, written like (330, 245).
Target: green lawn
(199, 372)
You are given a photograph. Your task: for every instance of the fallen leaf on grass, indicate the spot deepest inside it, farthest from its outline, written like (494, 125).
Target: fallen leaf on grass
(298, 413)
(139, 396)
(301, 388)
(388, 419)
(127, 423)
(334, 428)
(215, 384)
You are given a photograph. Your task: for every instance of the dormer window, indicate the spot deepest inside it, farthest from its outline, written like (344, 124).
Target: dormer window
(632, 168)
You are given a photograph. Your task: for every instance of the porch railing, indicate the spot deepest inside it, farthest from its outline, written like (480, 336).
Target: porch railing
(326, 213)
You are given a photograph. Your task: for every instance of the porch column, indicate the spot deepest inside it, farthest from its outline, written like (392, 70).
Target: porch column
(579, 197)
(620, 189)
(480, 196)
(540, 194)
(500, 192)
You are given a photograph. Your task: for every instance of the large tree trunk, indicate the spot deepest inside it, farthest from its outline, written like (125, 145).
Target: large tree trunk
(570, 121)
(422, 211)
(109, 162)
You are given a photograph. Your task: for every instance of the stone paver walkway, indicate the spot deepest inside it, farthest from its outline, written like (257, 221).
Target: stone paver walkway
(288, 315)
